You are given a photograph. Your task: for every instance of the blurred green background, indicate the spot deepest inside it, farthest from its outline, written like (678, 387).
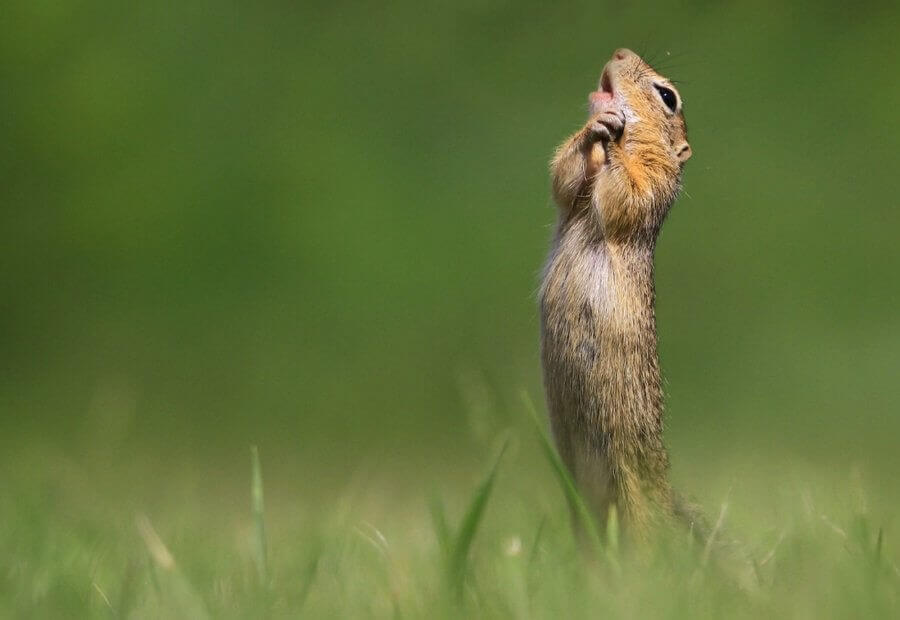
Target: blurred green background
(319, 227)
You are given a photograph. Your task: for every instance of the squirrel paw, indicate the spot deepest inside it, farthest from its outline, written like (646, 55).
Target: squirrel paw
(606, 126)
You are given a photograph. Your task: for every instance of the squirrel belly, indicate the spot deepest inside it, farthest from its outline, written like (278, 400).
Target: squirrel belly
(601, 374)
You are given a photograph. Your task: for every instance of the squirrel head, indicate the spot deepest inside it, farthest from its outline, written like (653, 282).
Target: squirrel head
(648, 101)
(653, 141)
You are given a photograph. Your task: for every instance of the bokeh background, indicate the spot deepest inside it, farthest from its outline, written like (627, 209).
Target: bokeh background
(319, 227)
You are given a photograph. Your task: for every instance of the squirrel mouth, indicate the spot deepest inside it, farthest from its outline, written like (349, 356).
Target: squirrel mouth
(604, 95)
(606, 82)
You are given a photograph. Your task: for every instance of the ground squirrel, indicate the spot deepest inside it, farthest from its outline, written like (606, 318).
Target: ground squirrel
(613, 182)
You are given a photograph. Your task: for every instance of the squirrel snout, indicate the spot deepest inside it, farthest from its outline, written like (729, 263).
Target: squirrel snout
(622, 53)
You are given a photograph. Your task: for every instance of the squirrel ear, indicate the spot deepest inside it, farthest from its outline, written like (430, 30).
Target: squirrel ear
(683, 152)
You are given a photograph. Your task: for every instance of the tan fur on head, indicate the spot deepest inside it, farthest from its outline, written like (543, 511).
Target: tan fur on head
(641, 179)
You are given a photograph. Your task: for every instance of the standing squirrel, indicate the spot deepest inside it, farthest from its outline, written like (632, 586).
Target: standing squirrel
(613, 182)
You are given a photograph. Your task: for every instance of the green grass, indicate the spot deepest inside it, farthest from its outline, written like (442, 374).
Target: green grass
(502, 546)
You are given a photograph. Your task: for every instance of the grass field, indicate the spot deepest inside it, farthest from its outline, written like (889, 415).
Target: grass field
(488, 538)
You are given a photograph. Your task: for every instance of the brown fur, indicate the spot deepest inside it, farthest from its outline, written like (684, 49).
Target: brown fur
(613, 181)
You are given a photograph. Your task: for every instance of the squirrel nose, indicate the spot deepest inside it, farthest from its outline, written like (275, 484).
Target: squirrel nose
(622, 53)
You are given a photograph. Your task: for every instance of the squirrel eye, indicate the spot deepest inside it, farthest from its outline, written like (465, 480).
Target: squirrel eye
(668, 97)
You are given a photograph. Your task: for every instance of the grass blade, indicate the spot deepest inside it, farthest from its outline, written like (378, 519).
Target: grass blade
(308, 577)
(878, 545)
(707, 551)
(259, 526)
(441, 527)
(612, 530)
(536, 545)
(459, 554)
(579, 509)
(178, 598)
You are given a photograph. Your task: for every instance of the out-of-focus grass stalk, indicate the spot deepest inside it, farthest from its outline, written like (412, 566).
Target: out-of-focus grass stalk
(260, 555)
(462, 543)
(580, 511)
(176, 593)
(439, 522)
(612, 530)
